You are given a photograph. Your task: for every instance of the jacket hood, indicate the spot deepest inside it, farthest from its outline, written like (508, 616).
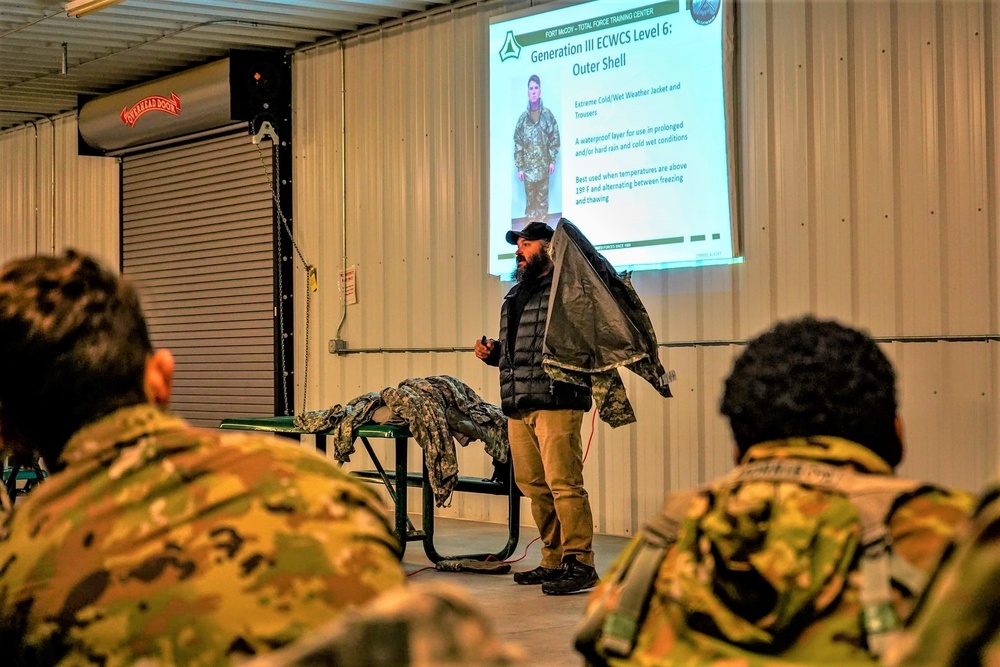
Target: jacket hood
(758, 561)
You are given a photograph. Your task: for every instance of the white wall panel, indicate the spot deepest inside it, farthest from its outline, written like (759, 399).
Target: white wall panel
(680, 321)
(20, 192)
(965, 243)
(650, 458)
(830, 174)
(792, 186)
(990, 292)
(681, 434)
(51, 198)
(917, 169)
(873, 217)
(948, 407)
(756, 287)
(868, 193)
(992, 399)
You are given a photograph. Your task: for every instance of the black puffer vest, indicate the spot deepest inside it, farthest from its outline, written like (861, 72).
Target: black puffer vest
(524, 385)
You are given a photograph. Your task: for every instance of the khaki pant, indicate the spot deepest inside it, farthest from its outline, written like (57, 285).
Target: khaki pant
(548, 467)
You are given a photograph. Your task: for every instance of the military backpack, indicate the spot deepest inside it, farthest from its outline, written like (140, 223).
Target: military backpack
(612, 622)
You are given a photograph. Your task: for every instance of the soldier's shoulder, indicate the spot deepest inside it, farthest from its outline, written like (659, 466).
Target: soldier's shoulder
(272, 455)
(273, 444)
(934, 504)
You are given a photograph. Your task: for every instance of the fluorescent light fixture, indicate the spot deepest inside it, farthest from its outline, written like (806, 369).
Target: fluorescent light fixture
(80, 8)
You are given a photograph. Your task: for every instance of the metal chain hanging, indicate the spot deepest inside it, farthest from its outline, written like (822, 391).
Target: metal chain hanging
(281, 221)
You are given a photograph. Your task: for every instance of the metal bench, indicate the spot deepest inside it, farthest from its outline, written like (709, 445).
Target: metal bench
(397, 481)
(20, 476)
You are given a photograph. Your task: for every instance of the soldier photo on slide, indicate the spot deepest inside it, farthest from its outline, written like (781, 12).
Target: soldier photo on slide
(536, 149)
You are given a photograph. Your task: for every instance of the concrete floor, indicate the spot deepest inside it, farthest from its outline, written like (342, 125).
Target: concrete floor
(542, 625)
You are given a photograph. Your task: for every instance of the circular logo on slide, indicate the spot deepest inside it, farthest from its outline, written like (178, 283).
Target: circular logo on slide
(704, 11)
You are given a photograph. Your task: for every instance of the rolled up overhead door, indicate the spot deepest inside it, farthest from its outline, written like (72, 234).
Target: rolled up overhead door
(197, 239)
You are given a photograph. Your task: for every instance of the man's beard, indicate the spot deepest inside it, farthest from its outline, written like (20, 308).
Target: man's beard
(533, 268)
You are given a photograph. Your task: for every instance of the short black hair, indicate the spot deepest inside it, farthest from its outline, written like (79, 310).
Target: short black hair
(807, 377)
(534, 77)
(73, 348)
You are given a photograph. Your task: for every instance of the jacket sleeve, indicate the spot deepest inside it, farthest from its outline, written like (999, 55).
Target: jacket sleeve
(554, 141)
(519, 162)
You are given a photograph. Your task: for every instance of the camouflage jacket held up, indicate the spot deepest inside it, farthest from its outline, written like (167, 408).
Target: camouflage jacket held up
(767, 573)
(182, 546)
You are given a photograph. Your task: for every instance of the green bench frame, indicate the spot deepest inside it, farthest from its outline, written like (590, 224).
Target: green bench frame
(397, 481)
(17, 471)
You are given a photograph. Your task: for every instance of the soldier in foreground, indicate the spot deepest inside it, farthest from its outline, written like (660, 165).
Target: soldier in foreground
(811, 550)
(154, 540)
(421, 625)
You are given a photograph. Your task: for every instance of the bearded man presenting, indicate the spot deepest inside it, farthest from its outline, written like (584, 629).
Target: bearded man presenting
(544, 417)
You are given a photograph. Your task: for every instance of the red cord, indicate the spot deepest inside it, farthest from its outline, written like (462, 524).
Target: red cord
(593, 420)
(525, 554)
(423, 569)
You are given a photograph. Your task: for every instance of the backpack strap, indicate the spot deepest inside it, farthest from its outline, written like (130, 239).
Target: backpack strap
(611, 624)
(907, 575)
(879, 565)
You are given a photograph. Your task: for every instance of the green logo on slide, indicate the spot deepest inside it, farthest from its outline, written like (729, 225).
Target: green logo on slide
(510, 48)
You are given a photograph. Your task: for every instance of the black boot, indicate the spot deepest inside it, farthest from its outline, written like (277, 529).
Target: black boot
(538, 576)
(576, 578)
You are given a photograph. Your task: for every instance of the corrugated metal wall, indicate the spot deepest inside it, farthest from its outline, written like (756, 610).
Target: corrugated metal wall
(869, 194)
(52, 199)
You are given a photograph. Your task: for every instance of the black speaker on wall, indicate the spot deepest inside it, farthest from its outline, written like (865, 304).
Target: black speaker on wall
(260, 87)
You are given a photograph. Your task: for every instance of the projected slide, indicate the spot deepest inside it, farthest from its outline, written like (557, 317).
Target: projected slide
(612, 114)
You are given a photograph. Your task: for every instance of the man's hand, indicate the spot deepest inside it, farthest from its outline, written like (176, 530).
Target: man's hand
(520, 174)
(552, 167)
(483, 347)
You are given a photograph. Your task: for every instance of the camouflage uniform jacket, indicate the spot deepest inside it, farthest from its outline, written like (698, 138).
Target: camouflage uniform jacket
(166, 544)
(536, 144)
(438, 409)
(956, 622)
(342, 422)
(766, 573)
